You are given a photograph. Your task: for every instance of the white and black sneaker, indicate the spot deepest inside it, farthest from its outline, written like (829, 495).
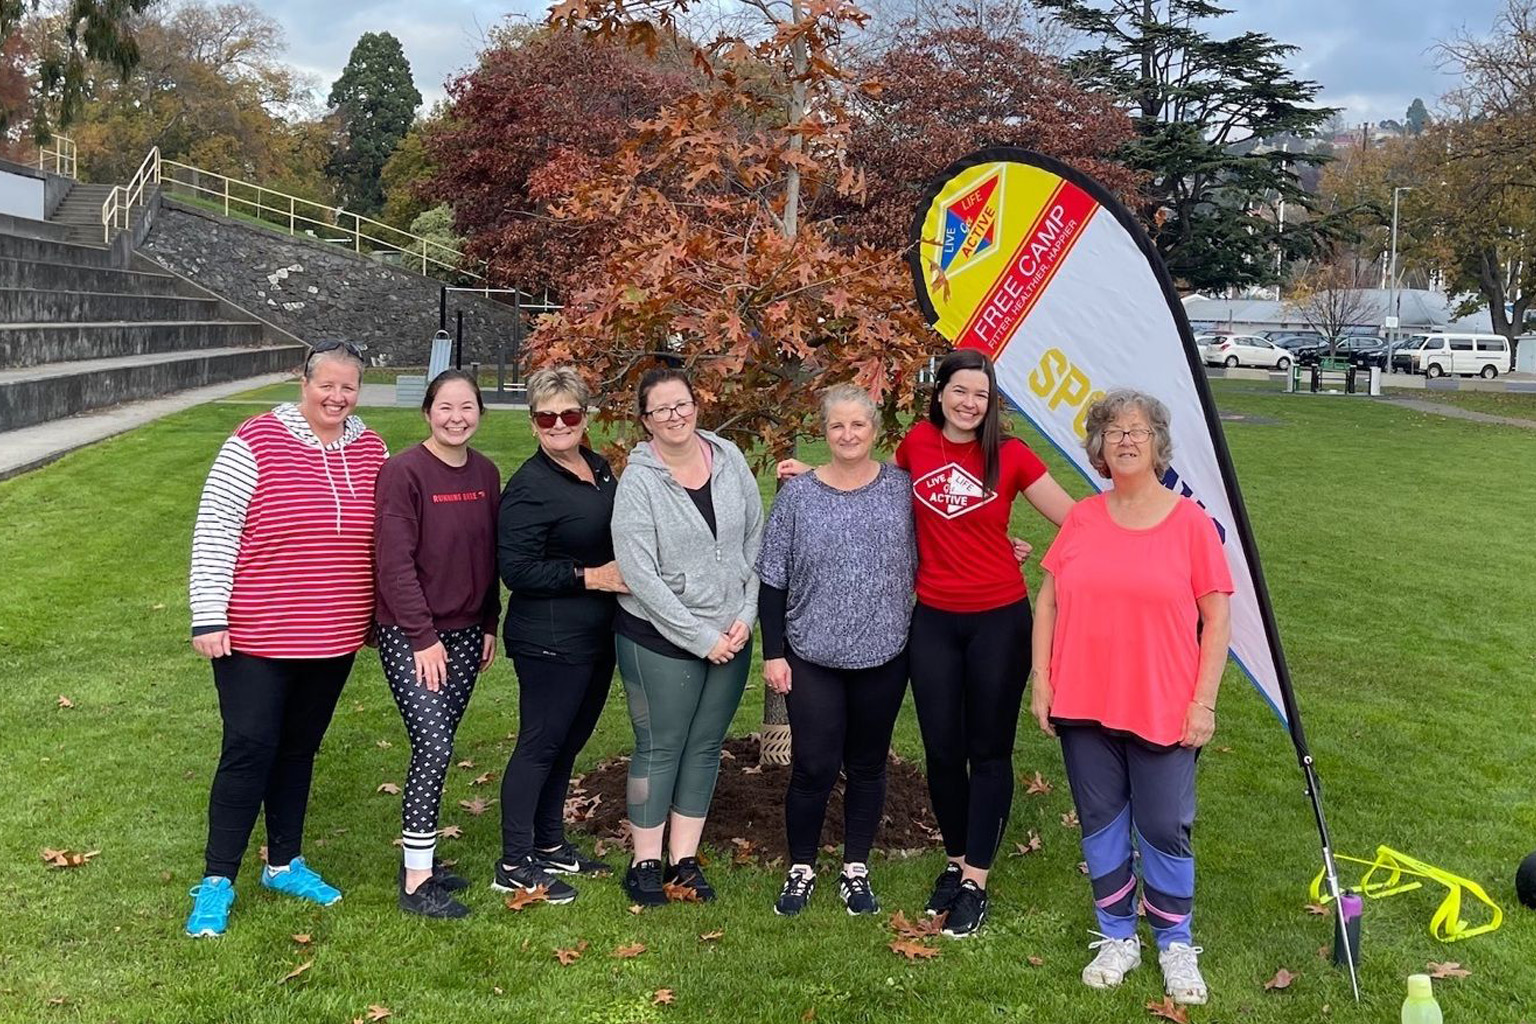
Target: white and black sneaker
(526, 876)
(853, 887)
(945, 888)
(566, 859)
(968, 913)
(798, 886)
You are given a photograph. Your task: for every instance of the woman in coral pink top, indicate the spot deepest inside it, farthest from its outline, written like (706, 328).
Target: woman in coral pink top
(1130, 639)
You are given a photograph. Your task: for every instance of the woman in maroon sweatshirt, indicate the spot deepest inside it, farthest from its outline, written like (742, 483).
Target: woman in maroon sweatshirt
(439, 600)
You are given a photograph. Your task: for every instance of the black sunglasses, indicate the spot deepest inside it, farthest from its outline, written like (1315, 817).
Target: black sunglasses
(330, 346)
(570, 417)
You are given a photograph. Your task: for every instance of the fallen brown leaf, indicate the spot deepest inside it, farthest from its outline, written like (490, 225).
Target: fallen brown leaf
(1223, 750)
(59, 1001)
(67, 858)
(570, 956)
(1323, 952)
(628, 952)
(466, 763)
(482, 779)
(1446, 970)
(662, 997)
(477, 806)
(755, 769)
(637, 909)
(681, 893)
(923, 928)
(809, 1015)
(1168, 1010)
(303, 938)
(262, 852)
(711, 936)
(744, 850)
(1281, 980)
(377, 1013)
(1069, 820)
(65, 702)
(1038, 785)
(1030, 846)
(392, 788)
(383, 744)
(1319, 909)
(913, 950)
(306, 965)
(451, 832)
(1082, 867)
(1034, 961)
(527, 897)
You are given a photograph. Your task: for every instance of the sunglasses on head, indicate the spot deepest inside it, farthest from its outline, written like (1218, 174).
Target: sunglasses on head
(330, 346)
(571, 418)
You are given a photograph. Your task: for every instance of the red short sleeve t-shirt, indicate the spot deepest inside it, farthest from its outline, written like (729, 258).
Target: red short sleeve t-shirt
(965, 562)
(1125, 652)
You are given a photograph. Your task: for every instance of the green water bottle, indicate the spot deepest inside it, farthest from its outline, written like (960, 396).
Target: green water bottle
(1420, 1006)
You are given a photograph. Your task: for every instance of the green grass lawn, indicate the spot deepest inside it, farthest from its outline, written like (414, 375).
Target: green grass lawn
(1520, 405)
(1397, 544)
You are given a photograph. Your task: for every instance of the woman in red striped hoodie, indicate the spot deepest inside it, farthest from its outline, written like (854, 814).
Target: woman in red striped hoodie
(282, 598)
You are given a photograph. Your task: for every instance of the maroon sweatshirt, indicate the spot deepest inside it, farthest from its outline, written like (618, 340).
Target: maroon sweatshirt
(435, 545)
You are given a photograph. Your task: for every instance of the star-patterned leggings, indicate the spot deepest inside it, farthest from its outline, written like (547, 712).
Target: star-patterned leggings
(431, 719)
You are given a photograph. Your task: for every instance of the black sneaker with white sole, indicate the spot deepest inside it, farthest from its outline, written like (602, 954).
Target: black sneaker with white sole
(798, 886)
(566, 859)
(687, 872)
(968, 912)
(643, 883)
(945, 888)
(858, 897)
(526, 876)
(431, 899)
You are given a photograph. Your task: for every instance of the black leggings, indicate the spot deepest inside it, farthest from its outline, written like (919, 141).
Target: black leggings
(431, 720)
(275, 713)
(968, 676)
(558, 706)
(839, 717)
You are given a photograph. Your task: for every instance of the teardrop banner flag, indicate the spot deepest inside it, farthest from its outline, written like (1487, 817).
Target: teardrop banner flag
(1041, 268)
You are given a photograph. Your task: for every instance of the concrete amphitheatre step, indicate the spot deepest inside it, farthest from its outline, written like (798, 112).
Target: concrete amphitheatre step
(24, 345)
(16, 247)
(32, 305)
(38, 394)
(25, 273)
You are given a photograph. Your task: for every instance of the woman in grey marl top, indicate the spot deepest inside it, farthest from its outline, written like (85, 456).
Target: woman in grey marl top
(836, 570)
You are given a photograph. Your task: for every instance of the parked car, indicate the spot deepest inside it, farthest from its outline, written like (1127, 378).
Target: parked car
(1361, 350)
(1486, 355)
(1244, 350)
(1403, 353)
(1305, 347)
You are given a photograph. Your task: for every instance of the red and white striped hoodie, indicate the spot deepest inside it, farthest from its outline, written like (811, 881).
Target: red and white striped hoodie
(282, 552)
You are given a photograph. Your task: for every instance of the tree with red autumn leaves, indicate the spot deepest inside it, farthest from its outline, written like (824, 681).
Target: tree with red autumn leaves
(951, 87)
(707, 255)
(537, 104)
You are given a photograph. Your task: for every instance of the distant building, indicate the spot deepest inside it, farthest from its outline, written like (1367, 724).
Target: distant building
(1419, 310)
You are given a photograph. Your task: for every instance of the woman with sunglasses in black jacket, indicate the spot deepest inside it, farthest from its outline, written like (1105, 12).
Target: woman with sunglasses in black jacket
(556, 558)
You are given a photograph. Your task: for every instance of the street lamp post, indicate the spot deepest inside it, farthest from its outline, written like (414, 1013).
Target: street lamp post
(1392, 313)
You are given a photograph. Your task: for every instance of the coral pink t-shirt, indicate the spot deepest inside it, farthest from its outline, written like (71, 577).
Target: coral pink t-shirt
(1125, 652)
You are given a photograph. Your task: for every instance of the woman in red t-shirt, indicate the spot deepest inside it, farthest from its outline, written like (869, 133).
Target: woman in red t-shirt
(1131, 632)
(970, 632)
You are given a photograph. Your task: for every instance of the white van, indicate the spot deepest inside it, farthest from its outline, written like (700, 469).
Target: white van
(1486, 355)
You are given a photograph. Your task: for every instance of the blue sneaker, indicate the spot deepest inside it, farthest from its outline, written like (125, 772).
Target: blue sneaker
(300, 880)
(210, 907)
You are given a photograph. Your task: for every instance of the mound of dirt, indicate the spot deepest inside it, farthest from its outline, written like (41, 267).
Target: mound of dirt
(746, 820)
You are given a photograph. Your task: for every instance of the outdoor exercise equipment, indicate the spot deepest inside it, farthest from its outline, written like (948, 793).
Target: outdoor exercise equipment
(1385, 876)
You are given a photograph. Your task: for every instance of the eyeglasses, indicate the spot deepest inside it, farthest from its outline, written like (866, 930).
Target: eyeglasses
(681, 410)
(570, 417)
(1140, 435)
(330, 346)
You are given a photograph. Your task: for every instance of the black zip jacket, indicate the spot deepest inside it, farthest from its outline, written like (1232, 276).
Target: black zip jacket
(553, 523)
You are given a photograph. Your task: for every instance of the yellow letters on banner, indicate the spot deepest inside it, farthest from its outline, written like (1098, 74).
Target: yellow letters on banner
(1447, 924)
(1059, 381)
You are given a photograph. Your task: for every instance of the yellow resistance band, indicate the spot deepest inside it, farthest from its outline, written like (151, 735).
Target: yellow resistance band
(1446, 925)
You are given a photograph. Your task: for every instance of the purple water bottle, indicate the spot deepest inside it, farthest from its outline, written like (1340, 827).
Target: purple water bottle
(1347, 927)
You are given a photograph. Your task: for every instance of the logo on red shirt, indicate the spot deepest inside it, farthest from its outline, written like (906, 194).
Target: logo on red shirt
(951, 491)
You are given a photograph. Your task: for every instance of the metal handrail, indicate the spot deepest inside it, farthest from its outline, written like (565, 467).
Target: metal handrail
(61, 156)
(296, 211)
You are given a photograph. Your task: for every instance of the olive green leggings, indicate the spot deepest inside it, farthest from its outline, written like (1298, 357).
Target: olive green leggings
(680, 710)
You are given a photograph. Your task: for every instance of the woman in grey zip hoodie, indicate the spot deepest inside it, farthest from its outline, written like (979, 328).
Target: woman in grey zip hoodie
(687, 525)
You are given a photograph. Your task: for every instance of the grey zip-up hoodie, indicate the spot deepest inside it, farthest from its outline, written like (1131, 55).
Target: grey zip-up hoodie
(689, 584)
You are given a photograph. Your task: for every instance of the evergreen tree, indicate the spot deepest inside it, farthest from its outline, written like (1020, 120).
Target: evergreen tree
(375, 100)
(1201, 107)
(1417, 117)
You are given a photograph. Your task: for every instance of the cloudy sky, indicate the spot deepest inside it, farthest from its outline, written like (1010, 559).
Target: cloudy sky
(1371, 56)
